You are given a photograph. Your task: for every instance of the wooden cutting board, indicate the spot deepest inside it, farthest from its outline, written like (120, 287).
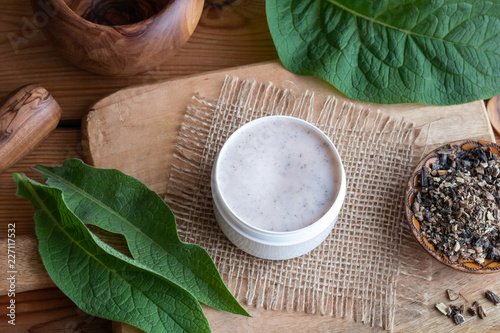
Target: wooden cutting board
(135, 129)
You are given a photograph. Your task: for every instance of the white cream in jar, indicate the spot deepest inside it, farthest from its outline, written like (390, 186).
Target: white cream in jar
(278, 175)
(278, 185)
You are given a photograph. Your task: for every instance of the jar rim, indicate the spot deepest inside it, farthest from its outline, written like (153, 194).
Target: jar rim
(263, 235)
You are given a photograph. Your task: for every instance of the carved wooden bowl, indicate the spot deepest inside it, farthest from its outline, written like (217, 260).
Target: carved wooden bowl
(469, 265)
(118, 37)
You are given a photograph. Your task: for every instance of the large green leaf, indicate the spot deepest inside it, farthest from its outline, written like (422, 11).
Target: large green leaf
(427, 51)
(121, 204)
(101, 284)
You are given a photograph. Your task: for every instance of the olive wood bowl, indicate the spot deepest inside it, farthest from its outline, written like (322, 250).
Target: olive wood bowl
(470, 266)
(117, 37)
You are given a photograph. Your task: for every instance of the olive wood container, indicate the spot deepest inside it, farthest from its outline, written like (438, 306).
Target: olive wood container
(118, 37)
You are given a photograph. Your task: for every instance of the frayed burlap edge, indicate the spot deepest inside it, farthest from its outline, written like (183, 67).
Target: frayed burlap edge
(354, 272)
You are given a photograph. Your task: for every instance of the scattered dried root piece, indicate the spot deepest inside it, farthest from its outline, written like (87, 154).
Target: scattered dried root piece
(443, 308)
(453, 296)
(459, 319)
(455, 309)
(480, 312)
(492, 297)
(472, 312)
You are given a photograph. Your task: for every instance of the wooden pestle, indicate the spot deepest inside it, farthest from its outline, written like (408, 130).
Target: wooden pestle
(27, 116)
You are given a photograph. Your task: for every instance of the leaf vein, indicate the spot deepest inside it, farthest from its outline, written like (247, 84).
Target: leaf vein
(408, 32)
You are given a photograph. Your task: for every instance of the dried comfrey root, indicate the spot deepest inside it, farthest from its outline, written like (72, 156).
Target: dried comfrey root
(480, 312)
(443, 308)
(458, 205)
(492, 297)
(453, 296)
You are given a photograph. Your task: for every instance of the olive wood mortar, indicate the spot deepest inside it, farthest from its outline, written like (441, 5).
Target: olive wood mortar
(27, 117)
(118, 37)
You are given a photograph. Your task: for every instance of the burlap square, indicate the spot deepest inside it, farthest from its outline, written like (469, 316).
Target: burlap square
(354, 272)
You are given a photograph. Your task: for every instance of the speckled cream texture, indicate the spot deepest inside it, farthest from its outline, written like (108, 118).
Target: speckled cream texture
(278, 174)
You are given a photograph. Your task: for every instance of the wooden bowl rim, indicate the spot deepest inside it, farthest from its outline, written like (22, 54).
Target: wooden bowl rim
(64, 8)
(459, 265)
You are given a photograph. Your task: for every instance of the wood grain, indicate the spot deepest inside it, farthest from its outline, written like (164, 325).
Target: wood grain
(28, 262)
(225, 37)
(471, 288)
(494, 114)
(141, 144)
(275, 321)
(27, 117)
(60, 145)
(49, 310)
(118, 38)
(118, 133)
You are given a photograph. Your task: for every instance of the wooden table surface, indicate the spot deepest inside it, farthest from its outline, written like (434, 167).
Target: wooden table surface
(227, 36)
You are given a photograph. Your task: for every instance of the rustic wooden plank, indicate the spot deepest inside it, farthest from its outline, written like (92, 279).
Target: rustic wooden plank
(233, 35)
(48, 311)
(273, 321)
(471, 287)
(142, 144)
(28, 266)
(59, 307)
(28, 277)
(145, 150)
(226, 37)
(13, 14)
(226, 322)
(62, 144)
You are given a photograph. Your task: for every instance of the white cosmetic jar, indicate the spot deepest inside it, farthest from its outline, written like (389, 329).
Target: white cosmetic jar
(284, 161)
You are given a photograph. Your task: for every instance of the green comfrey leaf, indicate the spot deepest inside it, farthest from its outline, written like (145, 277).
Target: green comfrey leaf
(400, 51)
(121, 204)
(100, 283)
